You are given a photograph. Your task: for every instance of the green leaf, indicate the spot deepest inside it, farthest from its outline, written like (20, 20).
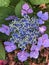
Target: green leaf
(4, 3)
(2, 52)
(37, 2)
(26, 63)
(47, 25)
(18, 8)
(4, 37)
(5, 12)
(14, 3)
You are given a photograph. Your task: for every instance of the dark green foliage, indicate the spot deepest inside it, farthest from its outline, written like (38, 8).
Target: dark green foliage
(18, 8)
(5, 12)
(26, 63)
(2, 52)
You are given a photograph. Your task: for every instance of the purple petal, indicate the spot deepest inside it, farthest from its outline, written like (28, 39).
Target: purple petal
(42, 40)
(46, 43)
(10, 18)
(2, 29)
(44, 16)
(30, 11)
(40, 21)
(22, 56)
(8, 43)
(42, 29)
(13, 46)
(45, 36)
(34, 54)
(23, 12)
(5, 26)
(39, 14)
(34, 47)
(10, 48)
(6, 29)
(7, 32)
(25, 6)
(39, 41)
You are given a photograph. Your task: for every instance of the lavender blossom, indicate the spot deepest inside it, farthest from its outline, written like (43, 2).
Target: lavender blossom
(42, 29)
(35, 47)
(6, 43)
(11, 18)
(5, 29)
(34, 54)
(22, 55)
(28, 31)
(43, 41)
(9, 46)
(40, 21)
(26, 9)
(34, 51)
(43, 16)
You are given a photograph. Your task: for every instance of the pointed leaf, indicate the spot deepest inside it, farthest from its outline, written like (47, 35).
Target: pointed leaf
(2, 52)
(18, 8)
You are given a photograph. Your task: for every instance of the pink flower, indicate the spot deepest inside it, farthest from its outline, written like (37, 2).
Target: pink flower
(48, 63)
(3, 62)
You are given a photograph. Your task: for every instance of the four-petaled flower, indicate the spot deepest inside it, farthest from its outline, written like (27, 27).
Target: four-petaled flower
(43, 16)
(26, 9)
(9, 46)
(22, 55)
(34, 51)
(5, 29)
(42, 29)
(43, 41)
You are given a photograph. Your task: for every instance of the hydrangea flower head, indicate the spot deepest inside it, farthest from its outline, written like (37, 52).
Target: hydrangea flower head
(27, 31)
(24, 31)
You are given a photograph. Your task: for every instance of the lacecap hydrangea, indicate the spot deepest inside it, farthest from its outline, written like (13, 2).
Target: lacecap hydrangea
(28, 31)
